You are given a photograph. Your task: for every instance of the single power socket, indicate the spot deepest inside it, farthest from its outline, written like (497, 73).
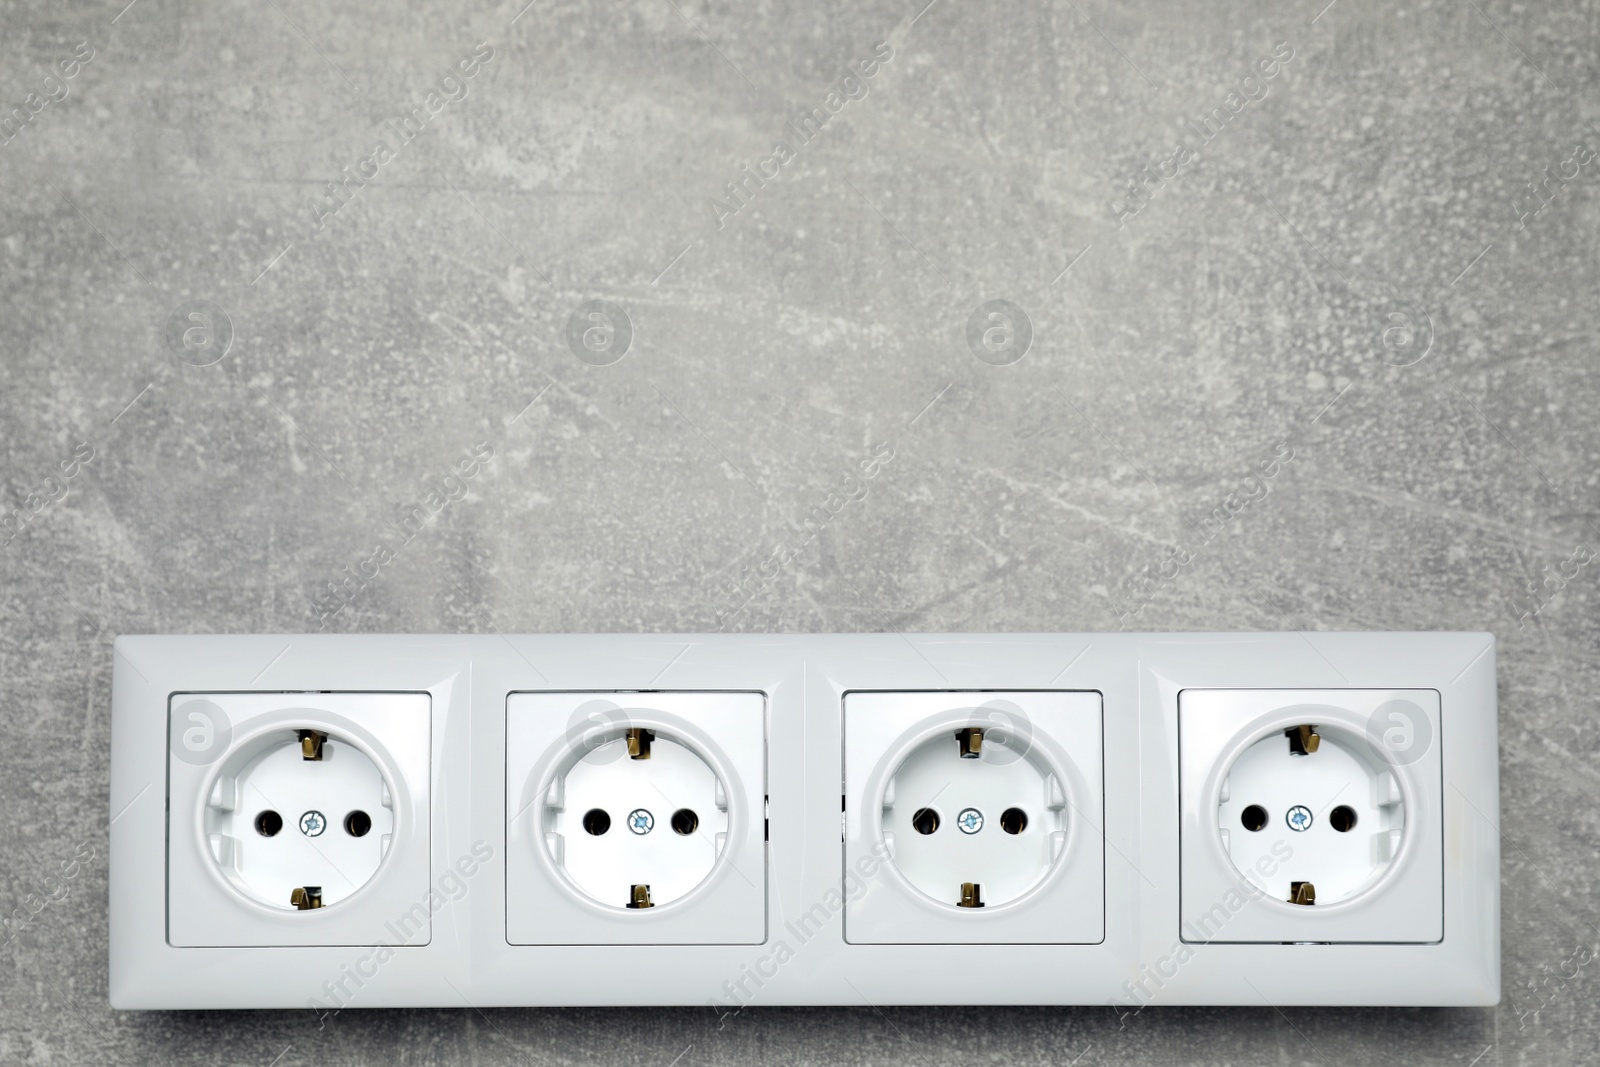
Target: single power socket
(297, 818)
(974, 818)
(635, 818)
(1312, 815)
(735, 820)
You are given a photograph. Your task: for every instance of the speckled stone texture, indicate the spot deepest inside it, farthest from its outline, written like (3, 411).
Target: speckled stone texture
(226, 381)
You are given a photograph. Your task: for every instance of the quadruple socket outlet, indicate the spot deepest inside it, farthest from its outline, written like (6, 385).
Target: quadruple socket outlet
(374, 821)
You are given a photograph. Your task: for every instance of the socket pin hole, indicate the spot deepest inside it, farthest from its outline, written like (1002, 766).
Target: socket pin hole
(685, 822)
(1254, 817)
(596, 822)
(268, 823)
(357, 823)
(1013, 820)
(1342, 818)
(925, 820)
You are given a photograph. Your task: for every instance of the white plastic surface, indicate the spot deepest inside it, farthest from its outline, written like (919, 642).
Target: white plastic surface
(610, 822)
(963, 836)
(1306, 799)
(460, 860)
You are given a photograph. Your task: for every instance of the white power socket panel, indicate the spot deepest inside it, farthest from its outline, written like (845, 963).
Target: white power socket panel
(334, 822)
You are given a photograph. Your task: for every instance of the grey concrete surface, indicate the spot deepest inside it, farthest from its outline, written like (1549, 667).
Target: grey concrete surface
(1345, 262)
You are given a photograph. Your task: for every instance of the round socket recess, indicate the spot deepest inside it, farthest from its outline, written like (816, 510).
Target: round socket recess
(299, 819)
(1310, 807)
(974, 830)
(637, 822)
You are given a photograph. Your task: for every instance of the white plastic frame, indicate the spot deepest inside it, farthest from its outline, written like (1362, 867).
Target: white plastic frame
(1142, 959)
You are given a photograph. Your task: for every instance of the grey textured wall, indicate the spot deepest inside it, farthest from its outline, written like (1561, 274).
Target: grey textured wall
(1347, 262)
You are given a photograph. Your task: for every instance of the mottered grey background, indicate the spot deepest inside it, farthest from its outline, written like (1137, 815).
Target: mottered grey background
(1295, 330)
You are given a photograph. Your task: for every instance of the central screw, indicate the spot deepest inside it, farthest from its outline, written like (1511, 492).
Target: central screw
(641, 821)
(970, 820)
(312, 823)
(1298, 817)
